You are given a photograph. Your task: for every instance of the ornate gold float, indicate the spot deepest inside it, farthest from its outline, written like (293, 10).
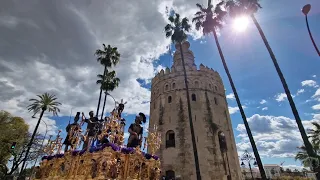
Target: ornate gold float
(111, 160)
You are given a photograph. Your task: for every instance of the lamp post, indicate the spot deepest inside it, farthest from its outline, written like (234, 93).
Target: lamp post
(248, 158)
(305, 10)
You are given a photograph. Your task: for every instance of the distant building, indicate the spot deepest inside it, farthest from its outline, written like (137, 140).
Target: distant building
(272, 170)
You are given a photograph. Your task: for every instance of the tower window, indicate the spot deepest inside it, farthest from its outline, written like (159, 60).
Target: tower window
(222, 141)
(169, 99)
(193, 97)
(215, 101)
(167, 87)
(170, 174)
(210, 86)
(173, 85)
(216, 88)
(170, 139)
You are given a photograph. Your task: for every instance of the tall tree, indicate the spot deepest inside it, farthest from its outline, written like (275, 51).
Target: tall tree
(210, 20)
(108, 83)
(306, 160)
(108, 57)
(18, 154)
(314, 133)
(12, 129)
(250, 7)
(176, 30)
(45, 102)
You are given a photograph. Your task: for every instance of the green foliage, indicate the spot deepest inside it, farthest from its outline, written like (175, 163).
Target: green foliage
(12, 129)
(209, 19)
(176, 29)
(108, 56)
(108, 82)
(45, 102)
(302, 155)
(314, 134)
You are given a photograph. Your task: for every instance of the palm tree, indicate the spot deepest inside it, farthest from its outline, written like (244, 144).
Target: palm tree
(45, 102)
(108, 83)
(210, 20)
(314, 134)
(306, 160)
(249, 7)
(176, 30)
(108, 57)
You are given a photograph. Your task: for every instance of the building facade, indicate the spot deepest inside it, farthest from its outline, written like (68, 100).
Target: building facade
(218, 158)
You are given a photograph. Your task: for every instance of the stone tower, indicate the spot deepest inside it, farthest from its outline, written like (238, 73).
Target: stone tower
(218, 158)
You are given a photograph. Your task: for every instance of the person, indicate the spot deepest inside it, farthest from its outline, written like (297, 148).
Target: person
(72, 129)
(136, 131)
(92, 128)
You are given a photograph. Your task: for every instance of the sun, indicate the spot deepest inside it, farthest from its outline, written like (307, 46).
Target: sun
(240, 24)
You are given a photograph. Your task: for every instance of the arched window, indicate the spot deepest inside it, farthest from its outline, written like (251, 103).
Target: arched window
(173, 85)
(193, 97)
(167, 87)
(170, 174)
(210, 86)
(215, 101)
(170, 139)
(222, 141)
(216, 88)
(196, 84)
(169, 99)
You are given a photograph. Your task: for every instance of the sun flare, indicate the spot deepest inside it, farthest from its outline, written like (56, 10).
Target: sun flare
(240, 24)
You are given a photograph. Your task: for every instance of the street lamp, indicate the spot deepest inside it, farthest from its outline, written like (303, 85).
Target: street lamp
(305, 10)
(248, 158)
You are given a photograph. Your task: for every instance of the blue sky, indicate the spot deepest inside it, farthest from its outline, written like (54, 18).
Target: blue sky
(252, 69)
(66, 66)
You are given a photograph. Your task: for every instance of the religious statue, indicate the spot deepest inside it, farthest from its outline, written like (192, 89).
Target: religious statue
(92, 128)
(136, 131)
(73, 131)
(120, 107)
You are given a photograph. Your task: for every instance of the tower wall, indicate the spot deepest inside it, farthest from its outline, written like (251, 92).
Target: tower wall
(168, 110)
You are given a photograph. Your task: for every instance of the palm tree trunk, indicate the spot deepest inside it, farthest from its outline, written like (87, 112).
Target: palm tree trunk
(304, 136)
(104, 104)
(243, 115)
(194, 145)
(104, 73)
(30, 143)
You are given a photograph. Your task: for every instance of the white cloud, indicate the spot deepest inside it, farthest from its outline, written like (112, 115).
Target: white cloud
(263, 101)
(265, 108)
(314, 76)
(280, 97)
(233, 110)
(275, 136)
(316, 107)
(309, 83)
(230, 96)
(300, 91)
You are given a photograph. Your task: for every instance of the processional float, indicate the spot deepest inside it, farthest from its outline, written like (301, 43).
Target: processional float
(108, 160)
